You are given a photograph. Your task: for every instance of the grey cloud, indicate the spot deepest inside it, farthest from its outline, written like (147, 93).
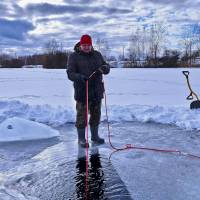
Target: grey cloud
(49, 9)
(19, 11)
(185, 20)
(3, 9)
(170, 2)
(85, 20)
(14, 29)
(11, 9)
(80, 20)
(113, 10)
(78, 1)
(99, 18)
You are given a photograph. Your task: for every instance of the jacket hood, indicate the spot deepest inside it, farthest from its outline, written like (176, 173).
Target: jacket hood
(77, 47)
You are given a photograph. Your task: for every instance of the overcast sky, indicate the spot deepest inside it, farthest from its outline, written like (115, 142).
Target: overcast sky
(26, 25)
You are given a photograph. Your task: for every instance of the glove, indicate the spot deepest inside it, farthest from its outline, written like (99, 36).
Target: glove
(103, 68)
(83, 78)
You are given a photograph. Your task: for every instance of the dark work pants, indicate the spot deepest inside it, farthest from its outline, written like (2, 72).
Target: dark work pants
(94, 111)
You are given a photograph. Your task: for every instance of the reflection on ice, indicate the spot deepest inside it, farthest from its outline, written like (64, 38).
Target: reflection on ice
(65, 179)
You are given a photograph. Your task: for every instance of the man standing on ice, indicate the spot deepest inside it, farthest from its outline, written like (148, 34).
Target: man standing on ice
(81, 64)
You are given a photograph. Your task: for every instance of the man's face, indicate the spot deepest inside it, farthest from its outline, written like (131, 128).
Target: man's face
(86, 48)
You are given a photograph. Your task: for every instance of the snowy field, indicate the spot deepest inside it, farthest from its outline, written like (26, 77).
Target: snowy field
(146, 95)
(147, 107)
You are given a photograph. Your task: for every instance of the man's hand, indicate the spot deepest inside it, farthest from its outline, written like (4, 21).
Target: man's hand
(83, 78)
(103, 69)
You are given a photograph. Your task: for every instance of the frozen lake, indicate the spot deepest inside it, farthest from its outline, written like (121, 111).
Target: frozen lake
(57, 165)
(147, 108)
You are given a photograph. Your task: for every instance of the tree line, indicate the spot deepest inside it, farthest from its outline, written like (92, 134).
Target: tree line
(54, 57)
(148, 47)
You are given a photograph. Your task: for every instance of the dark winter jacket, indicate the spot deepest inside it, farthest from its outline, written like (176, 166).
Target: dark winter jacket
(80, 63)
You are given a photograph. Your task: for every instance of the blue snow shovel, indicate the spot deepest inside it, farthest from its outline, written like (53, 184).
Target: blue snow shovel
(195, 104)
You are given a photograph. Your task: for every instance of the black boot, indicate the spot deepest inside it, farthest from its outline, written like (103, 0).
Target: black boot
(81, 137)
(95, 136)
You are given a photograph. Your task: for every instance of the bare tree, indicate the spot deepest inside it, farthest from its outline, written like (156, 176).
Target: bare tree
(103, 46)
(133, 54)
(191, 42)
(4, 57)
(146, 44)
(157, 36)
(137, 50)
(52, 47)
(188, 44)
(197, 36)
(55, 56)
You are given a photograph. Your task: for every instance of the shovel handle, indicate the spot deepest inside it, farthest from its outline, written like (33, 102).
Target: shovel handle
(186, 73)
(190, 97)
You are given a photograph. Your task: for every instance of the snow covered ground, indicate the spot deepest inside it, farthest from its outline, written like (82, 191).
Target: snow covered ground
(156, 95)
(147, 107)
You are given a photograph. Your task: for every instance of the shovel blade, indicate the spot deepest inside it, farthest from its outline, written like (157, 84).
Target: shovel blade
(195, 104)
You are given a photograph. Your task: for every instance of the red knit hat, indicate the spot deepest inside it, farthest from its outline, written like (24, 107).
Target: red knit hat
(86, 39)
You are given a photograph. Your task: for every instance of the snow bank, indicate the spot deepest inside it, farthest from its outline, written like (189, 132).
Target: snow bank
(179, 116)
(17, 129)
(46, 96)
(40, 113)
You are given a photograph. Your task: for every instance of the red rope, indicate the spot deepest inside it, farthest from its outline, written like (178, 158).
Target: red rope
(126, 147)
(87, 155)
(130, 146)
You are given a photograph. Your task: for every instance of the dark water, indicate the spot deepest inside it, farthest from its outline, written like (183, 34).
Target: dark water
(60, 178)
(103, 180)
(67, 181)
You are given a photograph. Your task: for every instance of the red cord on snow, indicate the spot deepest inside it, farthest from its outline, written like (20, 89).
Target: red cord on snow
(115, 149)
(130, 146)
